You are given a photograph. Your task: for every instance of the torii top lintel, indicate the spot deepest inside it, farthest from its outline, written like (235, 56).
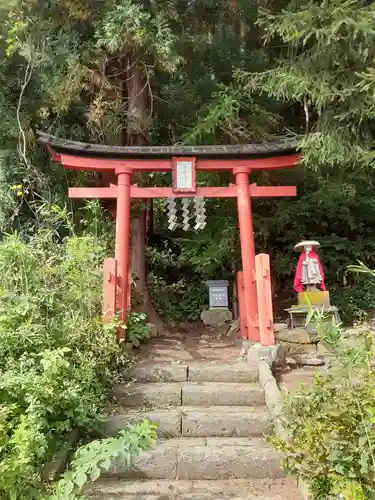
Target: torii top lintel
(84, 156)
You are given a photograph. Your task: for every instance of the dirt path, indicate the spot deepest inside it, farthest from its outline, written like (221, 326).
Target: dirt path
(191, 342)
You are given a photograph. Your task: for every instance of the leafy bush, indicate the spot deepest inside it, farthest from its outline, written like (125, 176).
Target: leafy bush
(96, 456)
(330, 425)
(57, 356)
(178, 301)
(357, 302)
(137, 328)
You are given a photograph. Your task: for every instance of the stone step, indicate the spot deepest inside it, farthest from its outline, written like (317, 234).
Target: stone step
(194, 372)
(162, 394)
(222, 394)
(221, 489)
(197, 421)
(199, 458)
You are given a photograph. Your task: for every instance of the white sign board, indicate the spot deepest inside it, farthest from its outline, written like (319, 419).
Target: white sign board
(184, 175)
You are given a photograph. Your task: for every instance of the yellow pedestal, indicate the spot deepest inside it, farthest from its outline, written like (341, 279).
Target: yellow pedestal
(314, 297)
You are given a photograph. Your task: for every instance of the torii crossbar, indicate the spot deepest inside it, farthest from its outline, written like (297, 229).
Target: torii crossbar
(182, 162)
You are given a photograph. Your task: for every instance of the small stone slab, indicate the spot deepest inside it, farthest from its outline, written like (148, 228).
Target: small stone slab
(222, 394)
(222, 459)
(279, 327)
(154, 394)
(308, 361)
(296, 336)
(160, 462)
(168, 421)
(224, 421)
(291, 362)
(159, 373)
(216, 317)
(196, 458)
(238, 372)
(186, 489)
(291, 348)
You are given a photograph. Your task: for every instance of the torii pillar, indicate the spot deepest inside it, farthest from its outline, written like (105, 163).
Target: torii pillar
(245, 221)
(122, 240)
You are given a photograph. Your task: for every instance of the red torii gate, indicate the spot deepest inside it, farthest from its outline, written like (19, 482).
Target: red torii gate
(183, 161)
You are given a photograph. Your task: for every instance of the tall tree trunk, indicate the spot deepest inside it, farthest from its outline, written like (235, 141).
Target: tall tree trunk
(136, 134)
(149, 220)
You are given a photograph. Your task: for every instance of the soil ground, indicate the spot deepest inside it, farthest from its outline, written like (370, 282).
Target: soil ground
(290, 382)
(191, 342)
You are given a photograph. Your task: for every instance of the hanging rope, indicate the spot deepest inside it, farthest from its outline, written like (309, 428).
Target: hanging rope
(200, 214)
(172, 214)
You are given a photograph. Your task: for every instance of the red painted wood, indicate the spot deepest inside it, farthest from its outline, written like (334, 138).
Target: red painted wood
(110, 287)
(242, 305)
(91, 192)
(104, 164)
(122, 244)
(265, 310)
(248, 253)
(166, 192)
(175, 160)
(272, 191)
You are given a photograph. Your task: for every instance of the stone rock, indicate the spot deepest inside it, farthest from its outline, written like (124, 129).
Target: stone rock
(285, 369)
(296, 336)
(291, 361)
(233, 422)
(359, 332)
(312, 330)
(291, 348)
(279, 327)
(246, 345)
(128, 346)
(274, 354)
(234, 328)
(216, 317)
(236, 372)
(223, 330)
(355, 341)
(323, 351)
(154, 331)
(302, 359)
(250, 350)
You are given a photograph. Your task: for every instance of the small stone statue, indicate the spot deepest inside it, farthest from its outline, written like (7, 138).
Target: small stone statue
(309, 272)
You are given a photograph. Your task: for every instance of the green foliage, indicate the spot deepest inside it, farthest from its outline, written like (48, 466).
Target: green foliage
(330, 433)
(326, 66)
(137, 328)
(130, 27)
(93, 458)
(179, 301)
(227, 116)
(58, 358)
(357, 302)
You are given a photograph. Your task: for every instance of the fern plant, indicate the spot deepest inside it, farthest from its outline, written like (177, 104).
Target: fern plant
(98, 456)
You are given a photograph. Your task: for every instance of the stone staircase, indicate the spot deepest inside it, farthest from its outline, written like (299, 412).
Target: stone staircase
(212, 420)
